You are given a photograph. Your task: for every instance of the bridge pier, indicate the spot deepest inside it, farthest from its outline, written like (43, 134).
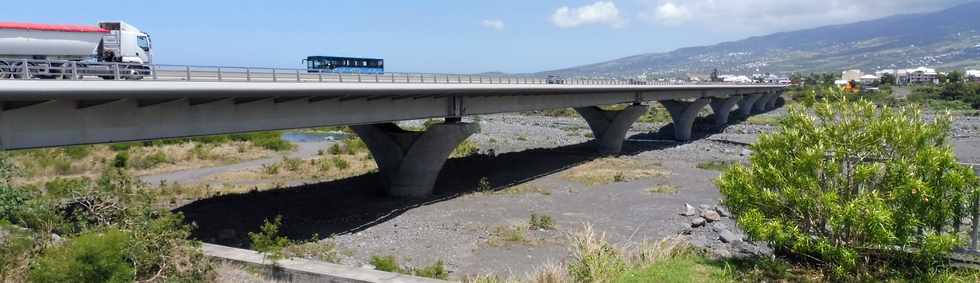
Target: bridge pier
(609, 127)
(762, 105)
(723, 108)
(684, 113)
(773, 98)
(410, 161)
(747, 104)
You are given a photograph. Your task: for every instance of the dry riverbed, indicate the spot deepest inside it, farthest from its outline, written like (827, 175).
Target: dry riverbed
(481, 220)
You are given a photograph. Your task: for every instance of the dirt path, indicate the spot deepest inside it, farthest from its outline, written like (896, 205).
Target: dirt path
(192, 176)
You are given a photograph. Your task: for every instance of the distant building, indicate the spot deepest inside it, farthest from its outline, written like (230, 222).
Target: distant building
(869, 79)
(882, 73)
(735, 79)
(920, 75)
(973, 75)
(851, 75)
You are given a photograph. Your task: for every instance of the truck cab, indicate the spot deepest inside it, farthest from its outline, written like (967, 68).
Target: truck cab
(125, 44)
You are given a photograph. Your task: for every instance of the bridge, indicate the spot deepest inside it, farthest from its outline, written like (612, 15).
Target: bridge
(48, 113)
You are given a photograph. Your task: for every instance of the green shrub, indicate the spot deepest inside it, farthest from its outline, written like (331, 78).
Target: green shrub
(437, 271)
(77, 152)
(292, 164)
(852, 183)
(63, 187)
(152, 161)
(340, 163)
(386, 263)
(121, 160)
(268, 240)
(464, 149)
(90, 257)
(354, 145)
(123, 146)
(12, 201)
(542, 222)
(335, 149)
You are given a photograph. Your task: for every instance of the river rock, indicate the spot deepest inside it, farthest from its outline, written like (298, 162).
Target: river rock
(727, 236)
(688, 210)
(697, 222)
(711, 215)
(722, 211)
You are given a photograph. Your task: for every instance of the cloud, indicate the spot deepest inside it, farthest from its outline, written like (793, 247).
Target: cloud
(602, 12)
(493, 24)
(778, 15)
(671, 14)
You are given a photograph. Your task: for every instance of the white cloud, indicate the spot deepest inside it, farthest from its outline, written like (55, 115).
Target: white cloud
(493, 24)
(671, 14)
(777, 15)
(601, 12)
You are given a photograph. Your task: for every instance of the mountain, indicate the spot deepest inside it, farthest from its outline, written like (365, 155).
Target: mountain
(945, 39)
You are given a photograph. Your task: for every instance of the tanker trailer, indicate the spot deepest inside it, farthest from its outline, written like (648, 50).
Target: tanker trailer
(110, 50)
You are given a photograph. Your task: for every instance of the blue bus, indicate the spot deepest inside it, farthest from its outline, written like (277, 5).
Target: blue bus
(348, 65)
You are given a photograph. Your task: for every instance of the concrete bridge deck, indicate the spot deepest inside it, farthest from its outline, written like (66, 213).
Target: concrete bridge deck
(38, 113)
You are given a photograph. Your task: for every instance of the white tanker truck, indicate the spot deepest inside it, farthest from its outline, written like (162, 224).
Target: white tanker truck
(111, 50)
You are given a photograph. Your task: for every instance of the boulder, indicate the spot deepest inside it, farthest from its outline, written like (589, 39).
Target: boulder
(727, 236)
(697, 222)
(711, 216)
(688, 210)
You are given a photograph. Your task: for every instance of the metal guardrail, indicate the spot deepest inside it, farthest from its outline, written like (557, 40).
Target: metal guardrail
(74, 70)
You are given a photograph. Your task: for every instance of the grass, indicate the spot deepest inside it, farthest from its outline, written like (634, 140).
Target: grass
(323, 250)
(716, 165)
(541, 222)
(509, 235)
(436, 270)
(663, 189)
(685, 268)
(613, 170)
(524, 189)
(764, 120)
(464, 149)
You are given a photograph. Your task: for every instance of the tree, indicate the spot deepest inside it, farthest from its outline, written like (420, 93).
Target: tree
(714, 76)
(888, 79)
(955, 77)
(848, 183)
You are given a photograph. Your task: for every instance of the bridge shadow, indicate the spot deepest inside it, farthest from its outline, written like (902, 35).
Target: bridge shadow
(354, 204)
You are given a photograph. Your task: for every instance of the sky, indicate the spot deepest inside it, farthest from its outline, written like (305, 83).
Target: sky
(450, 36)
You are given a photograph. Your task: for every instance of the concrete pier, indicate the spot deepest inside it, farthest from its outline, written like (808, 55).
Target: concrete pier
(609, 127)
(684, 113)
(747, 105)
(410, 161)
(723, 108)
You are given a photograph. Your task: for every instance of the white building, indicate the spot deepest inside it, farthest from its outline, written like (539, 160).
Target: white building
(882, 73)
(973, 75)
(869, 79)
(735, 79)
(920, 75)
(851, 75)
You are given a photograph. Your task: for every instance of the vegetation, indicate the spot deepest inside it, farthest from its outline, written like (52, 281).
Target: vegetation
(612, 170)
(716, 165)
(268, 240)
(663, 189)
(509, 235)
(541, 222)
(111, 231)
(389, 264)
(854, 187)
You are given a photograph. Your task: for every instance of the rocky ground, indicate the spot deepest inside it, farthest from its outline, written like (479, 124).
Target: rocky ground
(470, 226)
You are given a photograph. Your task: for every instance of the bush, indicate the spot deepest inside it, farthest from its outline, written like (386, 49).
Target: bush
(12, 201)
(15, 248)
(542, 222)
(340, 163)
(268, 240)
(90, 257)
(152, 161)
(437, 270)
(853, 183)
(77, 152)
(464, 149)
(385, 263)
(121, 160)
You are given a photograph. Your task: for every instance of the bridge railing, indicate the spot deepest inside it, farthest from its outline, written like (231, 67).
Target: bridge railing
(73, 70)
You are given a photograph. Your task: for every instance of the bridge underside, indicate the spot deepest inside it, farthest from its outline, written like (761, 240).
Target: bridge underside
(33, 120)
